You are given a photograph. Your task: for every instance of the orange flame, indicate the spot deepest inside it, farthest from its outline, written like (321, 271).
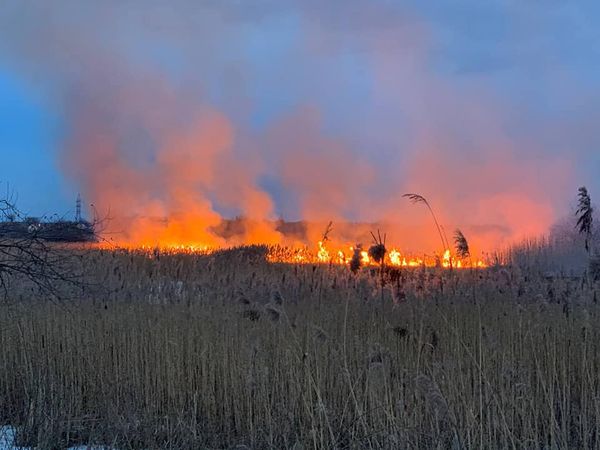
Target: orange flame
(394, 258)
(322, 255)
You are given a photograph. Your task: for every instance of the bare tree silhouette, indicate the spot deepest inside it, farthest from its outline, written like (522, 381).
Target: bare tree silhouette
(27, 257)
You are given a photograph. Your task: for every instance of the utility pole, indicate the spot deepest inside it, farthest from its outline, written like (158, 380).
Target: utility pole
(78, 209)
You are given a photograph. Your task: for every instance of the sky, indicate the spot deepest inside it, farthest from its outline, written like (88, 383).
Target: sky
(302, 109)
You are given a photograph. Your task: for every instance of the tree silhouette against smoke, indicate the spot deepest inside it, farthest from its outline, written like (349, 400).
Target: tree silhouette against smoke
(585, 222)
(584, 215)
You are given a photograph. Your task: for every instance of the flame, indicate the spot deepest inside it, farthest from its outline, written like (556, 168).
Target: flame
(394, 258)
(303, 255)
(446, 259)
(322, 254)
(325, 251)
(364, 257)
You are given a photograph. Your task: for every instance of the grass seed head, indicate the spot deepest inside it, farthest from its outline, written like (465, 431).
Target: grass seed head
(377, 252)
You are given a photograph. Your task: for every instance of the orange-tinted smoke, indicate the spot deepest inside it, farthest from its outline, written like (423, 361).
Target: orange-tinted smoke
(165, 199)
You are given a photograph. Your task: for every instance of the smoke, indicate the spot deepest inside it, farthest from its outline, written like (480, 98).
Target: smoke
(176, 117)
(150, 152)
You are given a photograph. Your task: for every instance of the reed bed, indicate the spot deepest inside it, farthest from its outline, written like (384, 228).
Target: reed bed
(183, 351)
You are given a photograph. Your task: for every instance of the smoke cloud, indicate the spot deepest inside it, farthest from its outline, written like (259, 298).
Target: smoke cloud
(178, 116)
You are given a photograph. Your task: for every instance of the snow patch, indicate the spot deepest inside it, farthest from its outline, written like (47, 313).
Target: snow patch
(7, 441)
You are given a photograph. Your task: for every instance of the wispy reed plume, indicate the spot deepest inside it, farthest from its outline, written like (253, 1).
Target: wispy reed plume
(584, 215)
(416, 198)
(461, 245)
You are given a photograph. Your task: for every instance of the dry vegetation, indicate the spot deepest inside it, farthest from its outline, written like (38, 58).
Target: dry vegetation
(224, 351)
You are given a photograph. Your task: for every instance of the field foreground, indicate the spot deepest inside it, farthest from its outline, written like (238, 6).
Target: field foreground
(228, 351)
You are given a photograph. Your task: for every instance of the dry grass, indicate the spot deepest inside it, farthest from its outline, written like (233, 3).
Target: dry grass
(186, 351)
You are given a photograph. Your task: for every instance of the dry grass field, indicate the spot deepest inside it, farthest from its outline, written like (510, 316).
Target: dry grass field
(184, 351)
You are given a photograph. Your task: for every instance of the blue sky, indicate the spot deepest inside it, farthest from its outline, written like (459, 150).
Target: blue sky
(28, 139)
(395, 85)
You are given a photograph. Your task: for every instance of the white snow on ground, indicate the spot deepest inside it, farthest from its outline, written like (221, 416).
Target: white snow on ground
(7, 441)
(7, 438)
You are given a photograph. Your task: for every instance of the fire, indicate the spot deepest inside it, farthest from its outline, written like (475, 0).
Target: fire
(364, 257)
(394, 258)
(326, 251)
(322, 254)
(447, 259)
(303, 255)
